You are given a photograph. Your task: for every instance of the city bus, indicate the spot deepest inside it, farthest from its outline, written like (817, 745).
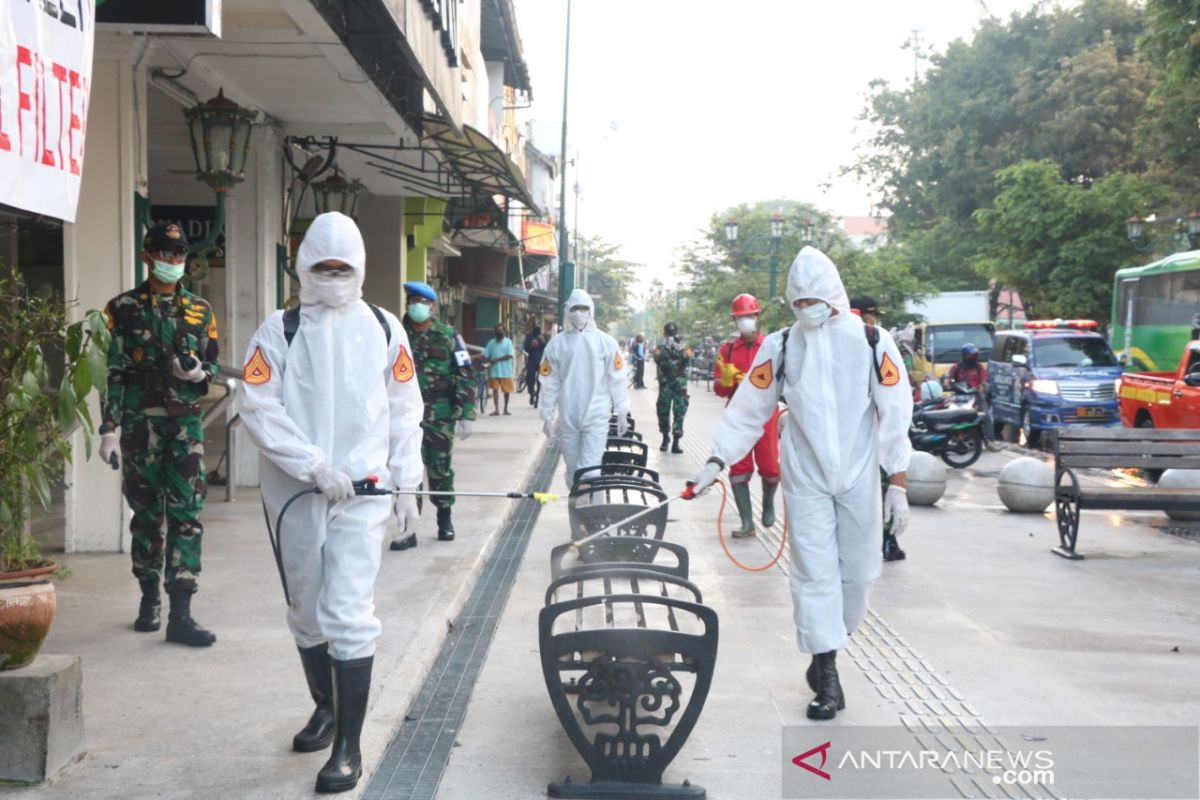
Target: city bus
(1154, 310)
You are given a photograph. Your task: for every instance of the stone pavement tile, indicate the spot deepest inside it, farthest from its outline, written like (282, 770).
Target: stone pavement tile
(168, 721)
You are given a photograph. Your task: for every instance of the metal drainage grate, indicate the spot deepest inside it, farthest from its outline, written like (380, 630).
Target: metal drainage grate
(413, 765)
(1189, 532)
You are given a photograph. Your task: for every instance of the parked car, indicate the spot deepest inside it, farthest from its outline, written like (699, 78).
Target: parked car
(1050, 374)
(1164, 399)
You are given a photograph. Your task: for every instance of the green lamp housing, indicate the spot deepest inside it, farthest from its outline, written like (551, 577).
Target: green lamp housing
(220, 133)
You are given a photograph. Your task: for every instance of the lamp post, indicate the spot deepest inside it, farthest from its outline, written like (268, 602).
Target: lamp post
(220, 135)
(565, 268)
(1185, 236)
(335, 193)
(776, 236)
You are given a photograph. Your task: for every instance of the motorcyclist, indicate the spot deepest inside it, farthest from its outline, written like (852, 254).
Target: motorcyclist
(968, 370)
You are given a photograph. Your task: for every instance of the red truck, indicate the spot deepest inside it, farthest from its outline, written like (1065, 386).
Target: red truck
(1163, 399)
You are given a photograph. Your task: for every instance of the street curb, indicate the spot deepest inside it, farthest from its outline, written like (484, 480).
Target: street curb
(403, 681)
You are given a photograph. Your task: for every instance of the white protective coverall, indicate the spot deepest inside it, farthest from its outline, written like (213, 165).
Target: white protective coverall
(583, 378)
(842, 424)
(341, 396)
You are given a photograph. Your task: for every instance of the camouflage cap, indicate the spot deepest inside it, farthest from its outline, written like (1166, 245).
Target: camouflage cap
(164, 236)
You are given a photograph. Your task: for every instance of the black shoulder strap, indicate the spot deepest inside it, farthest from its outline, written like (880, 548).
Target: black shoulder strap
(783, 354)
(872, 334)
(291, 323)
(728, 351)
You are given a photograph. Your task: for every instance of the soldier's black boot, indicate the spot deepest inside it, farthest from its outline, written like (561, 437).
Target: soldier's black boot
(351, 688)
(149, 617)
(318, 733)
(181, 628)
(675, 448)
(445, 526)
(666, 442)
(768, 497)
(811, 674)
(891, 549)
(830, 699)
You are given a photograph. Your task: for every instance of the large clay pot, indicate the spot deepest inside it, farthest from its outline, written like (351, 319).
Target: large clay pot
(26, 613)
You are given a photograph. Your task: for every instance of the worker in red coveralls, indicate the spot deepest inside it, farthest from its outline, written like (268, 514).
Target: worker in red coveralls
(734, 359)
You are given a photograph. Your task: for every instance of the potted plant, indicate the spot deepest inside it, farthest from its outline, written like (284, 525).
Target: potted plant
(47, 370)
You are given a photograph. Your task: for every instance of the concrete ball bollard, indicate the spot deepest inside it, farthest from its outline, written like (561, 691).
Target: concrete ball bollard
(926, 479)
(1181, 479)
(1026, 485)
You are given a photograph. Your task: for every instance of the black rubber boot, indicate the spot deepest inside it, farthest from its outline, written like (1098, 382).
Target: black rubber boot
(181, 628)
(317, 734)
(405, 543)
(891, 549)
(675, 448)
(768, 497)
(666, 442)
(830, 699)
(811, 674)
(741, 498)
(445, 526)
(351, 689)
(149, 616)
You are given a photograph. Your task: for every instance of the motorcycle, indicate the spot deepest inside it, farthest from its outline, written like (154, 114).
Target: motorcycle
(950, 428)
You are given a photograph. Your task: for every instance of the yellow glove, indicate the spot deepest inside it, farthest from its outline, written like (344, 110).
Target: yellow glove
(730, 375)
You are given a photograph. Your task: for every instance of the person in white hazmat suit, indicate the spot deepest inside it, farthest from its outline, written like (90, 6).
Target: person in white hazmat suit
(849, 408)
(583, 380)
(337, 403)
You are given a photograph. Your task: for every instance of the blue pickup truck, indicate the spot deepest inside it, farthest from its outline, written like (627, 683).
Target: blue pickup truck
(1051, 374)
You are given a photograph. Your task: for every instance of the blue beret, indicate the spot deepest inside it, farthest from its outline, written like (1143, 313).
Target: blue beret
(421, 289)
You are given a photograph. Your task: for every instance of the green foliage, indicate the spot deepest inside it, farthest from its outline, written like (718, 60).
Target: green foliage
(609, 281)
(40, 404)
(1059, 242)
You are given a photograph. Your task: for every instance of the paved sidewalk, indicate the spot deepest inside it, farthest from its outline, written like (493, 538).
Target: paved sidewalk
(981, 625)
(168, 721)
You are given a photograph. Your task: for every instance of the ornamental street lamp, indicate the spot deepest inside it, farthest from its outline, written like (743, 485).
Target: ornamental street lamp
(220, 135)
(335, 193)
(1184, 236)
(776, 236)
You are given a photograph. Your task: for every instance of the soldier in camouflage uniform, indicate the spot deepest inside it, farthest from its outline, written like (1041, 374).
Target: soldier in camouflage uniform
(162, 358)
(448, 387)
(673, 361)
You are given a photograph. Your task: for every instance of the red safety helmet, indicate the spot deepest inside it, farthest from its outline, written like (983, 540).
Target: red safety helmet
(745, 304)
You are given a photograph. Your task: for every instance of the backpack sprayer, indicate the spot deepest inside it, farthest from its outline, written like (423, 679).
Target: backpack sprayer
(369, 487)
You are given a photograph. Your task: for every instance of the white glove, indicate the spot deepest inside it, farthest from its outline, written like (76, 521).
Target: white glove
(195, 374)
(407, 514)
(622, 425)
(895, 508)
(333, 483)
(706, 477)
(548, 429)
(109, 446)
(464, 429)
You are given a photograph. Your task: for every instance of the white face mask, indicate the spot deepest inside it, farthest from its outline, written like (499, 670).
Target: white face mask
(746, 324)
(579, 320)
(332, 289)
(813, 316)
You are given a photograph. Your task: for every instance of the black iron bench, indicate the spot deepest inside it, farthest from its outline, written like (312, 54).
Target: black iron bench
(1118, 448)
(612, 424)
(587, 474)
(628, 656)
(625, 451)
(657, 555)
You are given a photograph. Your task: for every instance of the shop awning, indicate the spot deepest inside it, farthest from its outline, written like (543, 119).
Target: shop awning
(477, 161)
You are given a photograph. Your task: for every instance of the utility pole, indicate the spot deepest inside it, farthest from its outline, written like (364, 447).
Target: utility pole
(566, 269)
(915, 43)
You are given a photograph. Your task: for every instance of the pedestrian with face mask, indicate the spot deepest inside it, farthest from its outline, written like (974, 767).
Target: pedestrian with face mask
(673, 360)
(331, 397)
(583, 383)
(533, 347)
(850, 407)
(734, 359)
(501, 368)
(447, 382)
(162, 357)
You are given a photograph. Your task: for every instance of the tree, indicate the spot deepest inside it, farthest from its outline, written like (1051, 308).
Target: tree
(609, 280)
(1059, 242)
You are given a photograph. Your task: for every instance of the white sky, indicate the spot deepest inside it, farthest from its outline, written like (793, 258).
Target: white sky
(717, 102)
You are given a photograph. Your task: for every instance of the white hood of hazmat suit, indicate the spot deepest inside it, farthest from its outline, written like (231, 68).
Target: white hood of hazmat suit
(583, 379)
(340, 395)
(843, 424)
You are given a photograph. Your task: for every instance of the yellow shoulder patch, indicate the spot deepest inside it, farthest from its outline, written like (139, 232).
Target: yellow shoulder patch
(889, 375)
(762, 376)
(257, 371)
(402, 370)
(544, 370)
(212, 327)
(617, 362)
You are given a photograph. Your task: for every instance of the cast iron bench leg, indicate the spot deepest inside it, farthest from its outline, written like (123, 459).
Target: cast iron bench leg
(1066, 514)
